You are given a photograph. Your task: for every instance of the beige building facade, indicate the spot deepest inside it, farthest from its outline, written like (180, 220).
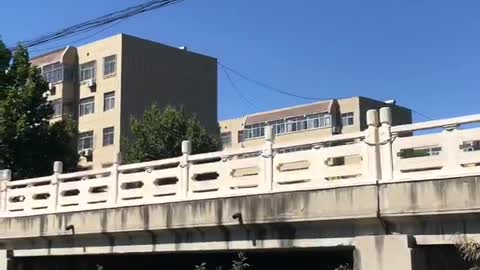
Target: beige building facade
(102, 84)
(319, 119)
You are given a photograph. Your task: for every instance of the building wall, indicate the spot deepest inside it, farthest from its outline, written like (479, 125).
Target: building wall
(400, 115)
(146, 72)
(96, 122)
(167, 76)
(350, 105)
(65, 91)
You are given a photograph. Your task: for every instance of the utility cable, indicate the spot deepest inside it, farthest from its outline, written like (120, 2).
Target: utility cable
(422, 114)
(98, 22)
(78, 40)
(271, 88)
(237, 90)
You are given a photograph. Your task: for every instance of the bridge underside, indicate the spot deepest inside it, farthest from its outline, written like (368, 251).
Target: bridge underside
(390, 220)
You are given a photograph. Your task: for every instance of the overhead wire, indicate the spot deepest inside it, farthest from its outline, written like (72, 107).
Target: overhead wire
(98, 22)
(116, 17)
(290, 93)
(237, 90)
(268, 87)
(77, 40)
(422, 114)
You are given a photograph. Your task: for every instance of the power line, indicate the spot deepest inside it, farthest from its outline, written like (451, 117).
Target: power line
(98, 22)
(237, 90)
(78, 40)
(271, 88)
(422, 114)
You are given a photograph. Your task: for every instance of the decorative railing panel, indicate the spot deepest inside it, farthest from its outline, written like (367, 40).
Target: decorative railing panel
(379, 154)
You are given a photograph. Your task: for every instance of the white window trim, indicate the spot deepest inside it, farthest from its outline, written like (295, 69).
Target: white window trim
(104, 64)
(94, 73)
(285, 122)
(91, 100)
(58, 100)
(110, 97)
(80, 138)
(61, 68)
(112, 134)
(348, 115)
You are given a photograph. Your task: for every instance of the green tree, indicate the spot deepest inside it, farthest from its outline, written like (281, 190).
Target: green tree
(160, 132)
(29, 144)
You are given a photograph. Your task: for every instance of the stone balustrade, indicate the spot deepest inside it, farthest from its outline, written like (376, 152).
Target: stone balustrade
(381, 153)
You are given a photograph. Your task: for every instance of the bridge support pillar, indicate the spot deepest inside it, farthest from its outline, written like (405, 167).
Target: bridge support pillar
(392, 252)
(5, 260)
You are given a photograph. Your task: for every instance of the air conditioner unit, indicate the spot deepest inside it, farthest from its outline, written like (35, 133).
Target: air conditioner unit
(92, 85)
(88, 153)
(52, 89)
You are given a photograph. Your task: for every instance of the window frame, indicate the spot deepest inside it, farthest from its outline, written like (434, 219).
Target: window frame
(110, 132)
(348, 119)
(54, 102)
(254, 131)
(226, 139)
(53, 70)
(93, 70)
(109, 98)
(82, 137)
(83, 102)
(108, 63)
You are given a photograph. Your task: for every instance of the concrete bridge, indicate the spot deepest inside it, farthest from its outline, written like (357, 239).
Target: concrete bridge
(389, 197)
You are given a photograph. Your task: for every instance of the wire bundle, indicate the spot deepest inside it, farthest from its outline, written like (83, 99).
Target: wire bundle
(107, 19)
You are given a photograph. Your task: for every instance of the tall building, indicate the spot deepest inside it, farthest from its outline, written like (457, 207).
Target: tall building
(102, 84)
(320, 119)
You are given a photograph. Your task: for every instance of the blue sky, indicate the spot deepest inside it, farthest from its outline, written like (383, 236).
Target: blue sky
(425, 54)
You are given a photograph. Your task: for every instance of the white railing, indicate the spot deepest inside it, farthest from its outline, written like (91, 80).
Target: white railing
(381, 153)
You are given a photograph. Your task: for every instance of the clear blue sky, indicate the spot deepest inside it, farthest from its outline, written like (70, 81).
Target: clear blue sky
(423, 53)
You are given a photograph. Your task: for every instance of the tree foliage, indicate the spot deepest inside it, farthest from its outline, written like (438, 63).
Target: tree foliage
(29, 144)
(237, 264)
(470, 252)
(160, 132)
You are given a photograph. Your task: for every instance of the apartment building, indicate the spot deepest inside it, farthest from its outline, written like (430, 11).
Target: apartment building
(320, 119)
(102, 84)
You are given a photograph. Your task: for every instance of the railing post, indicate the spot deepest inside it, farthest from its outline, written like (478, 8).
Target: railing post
(184, 165)
(117, 159)
(57, 169)
(268, 158)
(450, 147)
(5, 177)
(371, 139)
(386, 155)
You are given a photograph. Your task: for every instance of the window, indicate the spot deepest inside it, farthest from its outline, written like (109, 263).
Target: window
(347, 119)
(278, 126)
(294, 124)
(108, 136)
(87, 71)
(241, 135)
(226, 139)
(254, 131)
(57, 107)
(85, 140)
(108, 101)
(87, 106)
(109, 65)
(53, 73)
